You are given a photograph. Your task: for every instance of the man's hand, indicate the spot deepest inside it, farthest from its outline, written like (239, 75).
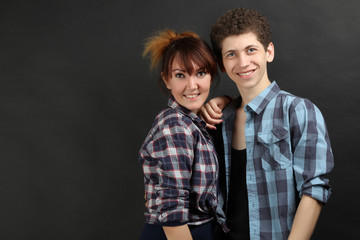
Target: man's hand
(211, 112)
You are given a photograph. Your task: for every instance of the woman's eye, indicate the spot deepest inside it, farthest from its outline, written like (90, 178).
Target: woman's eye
(179, 75)
(201, 73)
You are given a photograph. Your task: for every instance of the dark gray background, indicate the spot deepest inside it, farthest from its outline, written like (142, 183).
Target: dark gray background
(77, 100)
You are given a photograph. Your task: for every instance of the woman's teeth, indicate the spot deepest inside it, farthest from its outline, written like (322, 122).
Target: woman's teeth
(192, 95)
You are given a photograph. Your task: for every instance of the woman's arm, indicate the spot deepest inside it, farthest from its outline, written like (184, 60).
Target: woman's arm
(178, 232)
(167, 163)
(305, 219)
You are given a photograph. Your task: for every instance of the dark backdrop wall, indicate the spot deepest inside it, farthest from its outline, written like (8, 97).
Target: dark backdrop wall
(77, 100)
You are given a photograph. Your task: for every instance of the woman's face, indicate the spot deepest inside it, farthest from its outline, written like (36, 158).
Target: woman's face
(189, 90)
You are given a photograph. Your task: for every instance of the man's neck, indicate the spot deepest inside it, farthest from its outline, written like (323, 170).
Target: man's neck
(248, 94)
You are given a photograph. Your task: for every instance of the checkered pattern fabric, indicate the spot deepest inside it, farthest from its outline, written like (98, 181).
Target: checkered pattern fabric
(288, 155)
(180, 169)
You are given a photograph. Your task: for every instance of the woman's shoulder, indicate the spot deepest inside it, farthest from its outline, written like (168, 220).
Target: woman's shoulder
(169, 118)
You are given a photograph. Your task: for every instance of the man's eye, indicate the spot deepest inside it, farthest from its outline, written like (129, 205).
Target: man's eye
(251, 50)
(230, 54)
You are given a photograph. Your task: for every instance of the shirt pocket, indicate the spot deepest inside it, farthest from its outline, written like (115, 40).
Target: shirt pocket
(275, 149)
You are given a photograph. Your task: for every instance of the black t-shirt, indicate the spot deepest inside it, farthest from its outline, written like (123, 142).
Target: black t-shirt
(237, 210)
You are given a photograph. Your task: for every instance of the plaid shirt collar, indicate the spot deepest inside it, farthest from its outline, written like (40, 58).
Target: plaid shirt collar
(258, 104)
(172, 103)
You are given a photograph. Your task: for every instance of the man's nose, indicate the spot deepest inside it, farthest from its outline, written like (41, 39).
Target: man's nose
(243, 60)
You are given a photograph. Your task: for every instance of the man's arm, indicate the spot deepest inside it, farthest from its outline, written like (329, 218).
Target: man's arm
(178, 233)
(313, 160)
(305, 219)
(211, 112)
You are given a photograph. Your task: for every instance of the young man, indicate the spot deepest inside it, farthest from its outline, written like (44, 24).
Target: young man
(273, 147)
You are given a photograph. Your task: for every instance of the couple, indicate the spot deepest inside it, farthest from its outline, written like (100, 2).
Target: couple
(262, 173)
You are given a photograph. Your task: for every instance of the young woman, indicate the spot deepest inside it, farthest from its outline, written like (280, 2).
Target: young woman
(178, 157)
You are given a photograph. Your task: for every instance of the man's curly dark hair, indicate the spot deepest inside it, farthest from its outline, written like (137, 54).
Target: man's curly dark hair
(239, 21)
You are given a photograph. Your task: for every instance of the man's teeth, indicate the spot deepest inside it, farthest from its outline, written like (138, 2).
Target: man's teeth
(245, 74)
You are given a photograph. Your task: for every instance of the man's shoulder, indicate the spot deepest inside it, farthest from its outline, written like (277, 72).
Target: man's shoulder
(287, 98)
(292, 103)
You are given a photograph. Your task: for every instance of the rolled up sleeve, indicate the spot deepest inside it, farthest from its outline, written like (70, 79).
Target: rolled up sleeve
(313, 157)
(172, 148)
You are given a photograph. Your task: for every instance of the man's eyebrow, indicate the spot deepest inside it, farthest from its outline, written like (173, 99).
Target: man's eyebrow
(251, 46)
(247, 47)
(230, 50)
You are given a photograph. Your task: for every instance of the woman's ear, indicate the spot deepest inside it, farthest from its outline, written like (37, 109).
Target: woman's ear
(165, 81)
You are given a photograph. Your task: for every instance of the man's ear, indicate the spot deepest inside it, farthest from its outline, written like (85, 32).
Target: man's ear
(270, 52)
(165, 81)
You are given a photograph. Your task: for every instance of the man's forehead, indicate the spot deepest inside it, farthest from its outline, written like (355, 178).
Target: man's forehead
(240, 41)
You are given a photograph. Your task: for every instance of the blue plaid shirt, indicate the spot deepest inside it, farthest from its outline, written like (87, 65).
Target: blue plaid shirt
(288, 155)
(180, 169)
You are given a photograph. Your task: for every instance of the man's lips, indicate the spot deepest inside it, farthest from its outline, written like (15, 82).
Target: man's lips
(245, 74)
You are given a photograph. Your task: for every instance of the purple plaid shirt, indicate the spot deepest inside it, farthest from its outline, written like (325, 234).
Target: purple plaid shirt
(180, 169)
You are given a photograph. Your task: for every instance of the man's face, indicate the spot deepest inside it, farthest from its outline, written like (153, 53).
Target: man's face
(245, 61)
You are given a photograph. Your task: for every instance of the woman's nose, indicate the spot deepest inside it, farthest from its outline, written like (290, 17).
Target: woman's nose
(192, 83)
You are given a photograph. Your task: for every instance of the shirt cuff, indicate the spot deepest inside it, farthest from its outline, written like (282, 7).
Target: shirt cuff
(175, 217)
(173, 224)
(320, 193)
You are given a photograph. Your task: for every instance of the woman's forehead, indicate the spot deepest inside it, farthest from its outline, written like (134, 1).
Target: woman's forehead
(187, 64)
